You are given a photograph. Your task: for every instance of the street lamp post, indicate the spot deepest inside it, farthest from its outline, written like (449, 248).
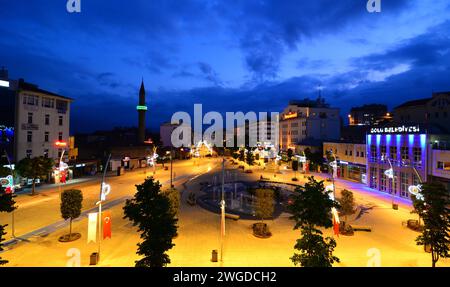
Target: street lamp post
(334, 167)
(392, 180)
(171, 166)
(102, 197)
(222, 209)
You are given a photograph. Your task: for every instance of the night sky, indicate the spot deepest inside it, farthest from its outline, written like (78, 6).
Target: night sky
(228, 55)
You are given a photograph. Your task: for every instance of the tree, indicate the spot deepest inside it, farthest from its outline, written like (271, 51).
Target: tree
(418, 207)
(315, 158)
(71, 204)
(174, 197)
(235, 155)
(264, 206)
(347, 203)
(310, 210)
(34, 168)
(316, 251)
(7, 204)
(295, 168)
(250, 158)
(150, 210)
(290, 153)
(2, 233)
(242, 155)
(435, 212)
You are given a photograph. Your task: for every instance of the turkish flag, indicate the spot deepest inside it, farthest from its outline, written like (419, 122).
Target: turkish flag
(106, 220)
(63, 177)
(336, 227)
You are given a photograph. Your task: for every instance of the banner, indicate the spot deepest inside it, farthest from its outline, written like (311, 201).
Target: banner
(106, 220)
(92, 227)
(336, 221)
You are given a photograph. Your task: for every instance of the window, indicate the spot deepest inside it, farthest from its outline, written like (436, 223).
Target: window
(417, 154)
(346, 153)
(404, 153)
(47, 120)
(61, 106)
(60, 120)
(59, 153)
(373, 152)
(350, 152)
(30, 118)
(46, 153)
(46, 137)
(48, 102)
(404, 183)
(383, 151)
(29, 153)
(357, 153)
(60, 136)
(383, 185)
(30, 100)
(362, 154)
(29, 136)
(393, 152)
(443, 165)
(373, 177)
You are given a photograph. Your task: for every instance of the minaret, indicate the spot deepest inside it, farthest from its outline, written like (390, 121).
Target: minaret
(141, 109)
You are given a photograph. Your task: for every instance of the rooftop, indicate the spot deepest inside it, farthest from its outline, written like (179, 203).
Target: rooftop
(24, 86)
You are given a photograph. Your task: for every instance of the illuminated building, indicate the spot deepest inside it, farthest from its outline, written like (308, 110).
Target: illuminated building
(351, 157)
(410, 149)
(306, 119)
(369, 115)
(38, 118)
(165, 133)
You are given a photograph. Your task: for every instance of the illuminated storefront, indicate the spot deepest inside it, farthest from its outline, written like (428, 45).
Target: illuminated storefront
(405, 149)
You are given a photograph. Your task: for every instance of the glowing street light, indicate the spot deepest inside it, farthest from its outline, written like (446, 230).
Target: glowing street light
(105, 189)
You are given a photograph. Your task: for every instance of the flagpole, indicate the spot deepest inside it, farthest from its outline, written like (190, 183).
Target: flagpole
(222, 217)
(100, 207)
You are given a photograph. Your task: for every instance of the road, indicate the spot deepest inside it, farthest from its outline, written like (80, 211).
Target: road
(37, 212)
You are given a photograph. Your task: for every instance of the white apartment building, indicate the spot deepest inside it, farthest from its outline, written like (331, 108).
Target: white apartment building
(42, 119)
(308, 120)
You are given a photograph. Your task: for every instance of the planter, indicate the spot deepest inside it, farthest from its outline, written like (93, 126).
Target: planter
(261, 230)
(69, 238)
(346, 229)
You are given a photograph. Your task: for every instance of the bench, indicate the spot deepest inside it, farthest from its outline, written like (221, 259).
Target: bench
(361, 228)
(232, 216)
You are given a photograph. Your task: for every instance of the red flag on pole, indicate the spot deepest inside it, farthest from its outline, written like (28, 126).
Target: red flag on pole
(106, 220)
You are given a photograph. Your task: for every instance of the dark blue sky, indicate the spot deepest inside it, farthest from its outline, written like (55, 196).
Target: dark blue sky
(228, 55)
